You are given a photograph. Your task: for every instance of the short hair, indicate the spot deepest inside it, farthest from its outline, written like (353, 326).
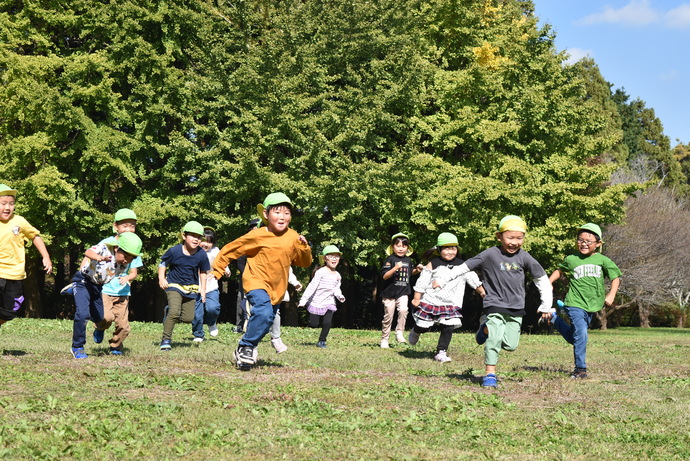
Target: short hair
(402, 239)
(210, 235)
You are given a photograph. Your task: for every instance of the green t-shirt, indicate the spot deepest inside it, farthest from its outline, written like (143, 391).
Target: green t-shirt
(586, 276)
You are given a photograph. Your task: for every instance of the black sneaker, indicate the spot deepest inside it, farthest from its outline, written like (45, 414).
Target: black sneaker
(579, 373)
(245, 357)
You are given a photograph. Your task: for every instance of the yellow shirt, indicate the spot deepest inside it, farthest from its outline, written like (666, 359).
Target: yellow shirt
(14, 233)
(269, 257)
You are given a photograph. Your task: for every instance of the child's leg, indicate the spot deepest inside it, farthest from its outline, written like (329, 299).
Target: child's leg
(511, 337)
(401, 305)
(388, 310)
(108, 312)
(275, 326)
(174, 312)
(314, 320)
(198, 322)
(82, 300)
(580, 319)
(212, 308)
(12, 299)
(563, 328)
(260, 318)
(187, 311)
(326, 326)
(120, 307)
(445, 337)
(496, 325)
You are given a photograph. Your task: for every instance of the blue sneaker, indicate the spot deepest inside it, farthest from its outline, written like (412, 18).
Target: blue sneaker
(115, 351)
(98, 336)
(489, 380)
(68, 290)
(165, 345)
(481, 337)
(78, 353)
(321, 344)
(560, 304)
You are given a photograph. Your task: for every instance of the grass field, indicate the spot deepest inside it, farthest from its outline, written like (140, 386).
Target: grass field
(352, 400)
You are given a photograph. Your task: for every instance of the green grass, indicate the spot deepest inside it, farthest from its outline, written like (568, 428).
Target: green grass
(352, 400)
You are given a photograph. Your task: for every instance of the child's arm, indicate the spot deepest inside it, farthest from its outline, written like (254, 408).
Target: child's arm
(546, 294)
(417, 269)
(203, 275)
(92, 254)
(416, 299)
(615, 284)
(162, 282)
(475, 283)
(311, 289)
(41, 247)
(292, 280)
(422, 285)
(455, 272)
(555, 276)
(338, 293)
(302, 253)
(388, 274)
(129, 277)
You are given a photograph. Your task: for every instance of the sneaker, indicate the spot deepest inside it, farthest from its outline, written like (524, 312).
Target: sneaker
(115, 351)
(198, 340)
(481, 337)
(68, 290)
(78, 353)
(579, 373)
(165, 345)
(400, 337)
(245, 357)
(321, 344)
(278, 345)
(384, 344)
(213, 330)
(489, 380)
(413, 337)
(238, 329)
(98, 336)
(442, 357)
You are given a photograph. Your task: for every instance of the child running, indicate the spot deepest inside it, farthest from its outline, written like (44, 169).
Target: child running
(322, 291)
(110, 259)
(441, 307)
(207, 312)
(504, 268)
(15, 231)
(187, 268)
(586, 292)
(396, 273)
(270, 250)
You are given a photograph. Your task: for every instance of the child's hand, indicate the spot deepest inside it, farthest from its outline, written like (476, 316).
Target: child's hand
(47, 265)
(124, 281)
(163, 284)
(341, 299)
(608, 301)
(415, 302)
(303, 239)
(298, 287)
(398, 265)
(435, 285)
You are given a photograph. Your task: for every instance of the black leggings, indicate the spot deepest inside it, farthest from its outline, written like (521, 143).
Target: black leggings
(443, 339)
(325, 327)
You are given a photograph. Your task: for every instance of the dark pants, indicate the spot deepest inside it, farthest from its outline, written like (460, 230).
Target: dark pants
(444, 338)
(325, 326)
(12, 298)
(88, 300)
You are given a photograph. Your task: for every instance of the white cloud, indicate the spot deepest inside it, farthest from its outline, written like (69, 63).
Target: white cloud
(635, 13)
(679, 17)
(575, 54)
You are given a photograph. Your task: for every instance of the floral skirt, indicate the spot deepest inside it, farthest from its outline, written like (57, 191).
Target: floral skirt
(427, 315)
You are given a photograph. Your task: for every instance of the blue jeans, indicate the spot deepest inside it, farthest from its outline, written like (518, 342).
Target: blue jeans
(88, 299)
(205, 313)
(576, 333)
(261, 318)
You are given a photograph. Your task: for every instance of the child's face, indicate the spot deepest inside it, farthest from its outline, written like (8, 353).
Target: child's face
(400, 249)
(278, 218)
(206, 245)
(332, 260)
(587, 243)
(126, 225)
(448, 253)
(191, 240)
(122, 257)
(511, 241)
(6, 207)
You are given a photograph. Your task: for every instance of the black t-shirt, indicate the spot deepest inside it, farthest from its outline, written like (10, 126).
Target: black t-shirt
(399, 284)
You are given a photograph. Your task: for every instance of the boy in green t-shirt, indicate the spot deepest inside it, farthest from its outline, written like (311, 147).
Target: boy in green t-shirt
(586, 293)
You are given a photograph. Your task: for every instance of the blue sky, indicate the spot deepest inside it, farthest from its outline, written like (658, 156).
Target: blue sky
(642, 46)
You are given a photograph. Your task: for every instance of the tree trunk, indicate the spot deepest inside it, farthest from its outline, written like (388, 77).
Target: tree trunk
(32, 289)
(603, 319)
(681, 319)
(643, 310)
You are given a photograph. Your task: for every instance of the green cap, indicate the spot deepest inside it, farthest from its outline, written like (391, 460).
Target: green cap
(591, 227)
(446, 239)
(7, 190)
(193, 227)
(129, 242)
(389, 250)
(124, 213)
(330, 249)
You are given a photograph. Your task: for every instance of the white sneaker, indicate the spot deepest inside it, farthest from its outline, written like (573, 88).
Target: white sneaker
(198, 340)
(413, 337)
(442, 357)
(213, 330)
(384, 344)
(400, 337)
(278, 345)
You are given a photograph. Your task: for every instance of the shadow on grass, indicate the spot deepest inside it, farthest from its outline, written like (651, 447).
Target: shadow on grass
(543, 369)
(467, 375)
(13, 352)
(415, 354)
